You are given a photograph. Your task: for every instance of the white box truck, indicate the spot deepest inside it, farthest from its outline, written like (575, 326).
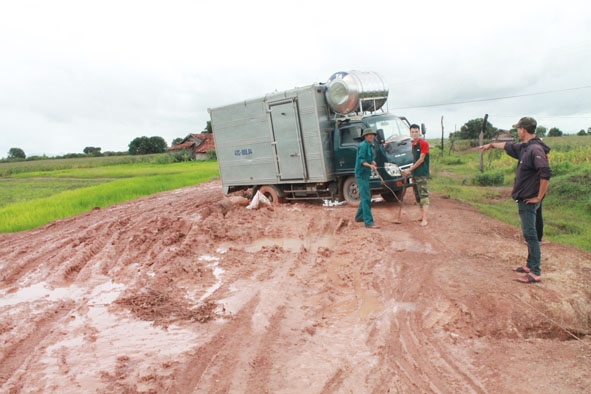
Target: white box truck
(302, 143)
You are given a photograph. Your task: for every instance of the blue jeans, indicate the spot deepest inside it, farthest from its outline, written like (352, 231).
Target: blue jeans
(527, 214)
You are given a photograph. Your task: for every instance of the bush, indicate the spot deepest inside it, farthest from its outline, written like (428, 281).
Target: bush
(562, 168)
(486, 179)
(453, 161)
(571, 188)
(180, 155)
(211, 155)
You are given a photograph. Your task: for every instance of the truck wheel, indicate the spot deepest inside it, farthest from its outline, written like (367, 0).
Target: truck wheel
(272, 194)
(351, 191)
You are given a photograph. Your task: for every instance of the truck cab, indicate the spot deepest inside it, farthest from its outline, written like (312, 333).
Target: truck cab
(392, 150)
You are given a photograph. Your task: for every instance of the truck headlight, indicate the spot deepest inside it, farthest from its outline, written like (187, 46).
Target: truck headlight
(392, 169)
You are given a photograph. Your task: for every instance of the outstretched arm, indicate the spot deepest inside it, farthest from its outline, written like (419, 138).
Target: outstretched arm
(498, 145)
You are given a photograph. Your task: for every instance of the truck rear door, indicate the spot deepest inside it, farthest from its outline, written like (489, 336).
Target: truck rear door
(288, 140)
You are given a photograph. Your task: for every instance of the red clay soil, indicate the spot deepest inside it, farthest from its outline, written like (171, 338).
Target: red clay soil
(188, 291)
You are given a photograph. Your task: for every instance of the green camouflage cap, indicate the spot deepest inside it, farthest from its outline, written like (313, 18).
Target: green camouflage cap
(527, 123)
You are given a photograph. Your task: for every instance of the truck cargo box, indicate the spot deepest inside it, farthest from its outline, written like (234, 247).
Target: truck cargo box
(276, 139)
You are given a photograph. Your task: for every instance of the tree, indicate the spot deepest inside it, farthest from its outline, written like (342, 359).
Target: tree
(208, 128)
(471, 130)
(16, 153)
(158, 145)
(176, 141)
(144, 145)
(555, 132)
(581, 132)
(92, 151)
(541, 131)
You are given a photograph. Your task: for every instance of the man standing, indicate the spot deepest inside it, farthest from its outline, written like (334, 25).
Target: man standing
(420, 170)
(529, 188)
(364, 165)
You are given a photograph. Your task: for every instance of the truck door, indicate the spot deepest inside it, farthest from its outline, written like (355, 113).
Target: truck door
(345, 148)
(288, 140)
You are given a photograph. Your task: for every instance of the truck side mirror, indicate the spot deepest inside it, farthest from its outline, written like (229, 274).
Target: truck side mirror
(380, 134)
(423, 129)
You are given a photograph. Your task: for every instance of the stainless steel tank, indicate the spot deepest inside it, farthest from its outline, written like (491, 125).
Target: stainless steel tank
(356, 91)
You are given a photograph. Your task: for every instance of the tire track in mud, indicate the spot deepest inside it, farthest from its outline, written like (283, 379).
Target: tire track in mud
(86, 246)
(422, 360)
(16, 356)
(409, 361)
(263, 363)
(217, 357)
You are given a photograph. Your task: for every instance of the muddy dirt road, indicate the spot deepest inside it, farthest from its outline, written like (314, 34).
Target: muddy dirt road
(190, 292)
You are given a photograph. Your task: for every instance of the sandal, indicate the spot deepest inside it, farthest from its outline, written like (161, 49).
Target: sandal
(522, 270)
(527, 278)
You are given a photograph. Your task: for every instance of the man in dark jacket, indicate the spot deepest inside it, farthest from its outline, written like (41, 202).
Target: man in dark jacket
(531, 183)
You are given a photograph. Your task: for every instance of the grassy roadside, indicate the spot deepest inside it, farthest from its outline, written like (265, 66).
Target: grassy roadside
(33, 198)
(566, 208)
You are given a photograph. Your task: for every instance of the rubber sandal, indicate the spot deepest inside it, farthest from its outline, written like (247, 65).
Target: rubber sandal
(522, 270)
(527, 278)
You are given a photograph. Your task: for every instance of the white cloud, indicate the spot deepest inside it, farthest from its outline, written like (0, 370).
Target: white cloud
(76, 74)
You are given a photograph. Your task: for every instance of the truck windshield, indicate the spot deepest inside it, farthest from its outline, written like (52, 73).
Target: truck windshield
(394, 127)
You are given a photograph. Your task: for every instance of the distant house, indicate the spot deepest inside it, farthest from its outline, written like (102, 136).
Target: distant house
(196, 145)
(503, 135)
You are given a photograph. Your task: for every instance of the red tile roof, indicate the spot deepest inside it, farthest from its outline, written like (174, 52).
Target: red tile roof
(200, 143)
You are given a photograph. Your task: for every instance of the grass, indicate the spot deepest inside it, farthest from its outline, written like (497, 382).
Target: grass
(566, 208)
(49, 165)
(17, 190)
(28, 200)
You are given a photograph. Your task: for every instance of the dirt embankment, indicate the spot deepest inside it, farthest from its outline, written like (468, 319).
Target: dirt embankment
(190, 292)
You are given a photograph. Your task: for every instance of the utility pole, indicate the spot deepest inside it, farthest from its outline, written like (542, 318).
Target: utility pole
(481, 141)
(441, 135)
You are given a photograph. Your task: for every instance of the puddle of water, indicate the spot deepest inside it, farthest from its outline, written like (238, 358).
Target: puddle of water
(404, 306)
(291, 244)
(207, 257)
(39, 291)
(104, 293)
(217, 273)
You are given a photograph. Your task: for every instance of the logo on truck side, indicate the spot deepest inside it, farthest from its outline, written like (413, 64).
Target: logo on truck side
(243, 152)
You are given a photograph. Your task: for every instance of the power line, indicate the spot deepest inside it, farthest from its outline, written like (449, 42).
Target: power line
(495, 98)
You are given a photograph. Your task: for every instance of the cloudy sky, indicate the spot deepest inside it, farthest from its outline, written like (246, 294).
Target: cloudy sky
(101, 73)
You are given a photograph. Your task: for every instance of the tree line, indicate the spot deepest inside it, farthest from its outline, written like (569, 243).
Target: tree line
(471, 130)
(148, 145)
(139, 146)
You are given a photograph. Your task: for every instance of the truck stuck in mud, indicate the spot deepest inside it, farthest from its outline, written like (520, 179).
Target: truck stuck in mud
(302, 143)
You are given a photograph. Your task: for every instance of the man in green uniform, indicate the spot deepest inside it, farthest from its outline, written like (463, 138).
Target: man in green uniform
(364, 165)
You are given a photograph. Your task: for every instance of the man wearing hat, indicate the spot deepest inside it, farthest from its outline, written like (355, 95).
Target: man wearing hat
(364, 165)
(529, 188)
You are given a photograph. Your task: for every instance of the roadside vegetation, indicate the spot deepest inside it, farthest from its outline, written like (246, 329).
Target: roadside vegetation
(566, 208)
(35, 193)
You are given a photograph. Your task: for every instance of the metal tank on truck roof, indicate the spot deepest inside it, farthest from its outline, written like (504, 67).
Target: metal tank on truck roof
(356, 91)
